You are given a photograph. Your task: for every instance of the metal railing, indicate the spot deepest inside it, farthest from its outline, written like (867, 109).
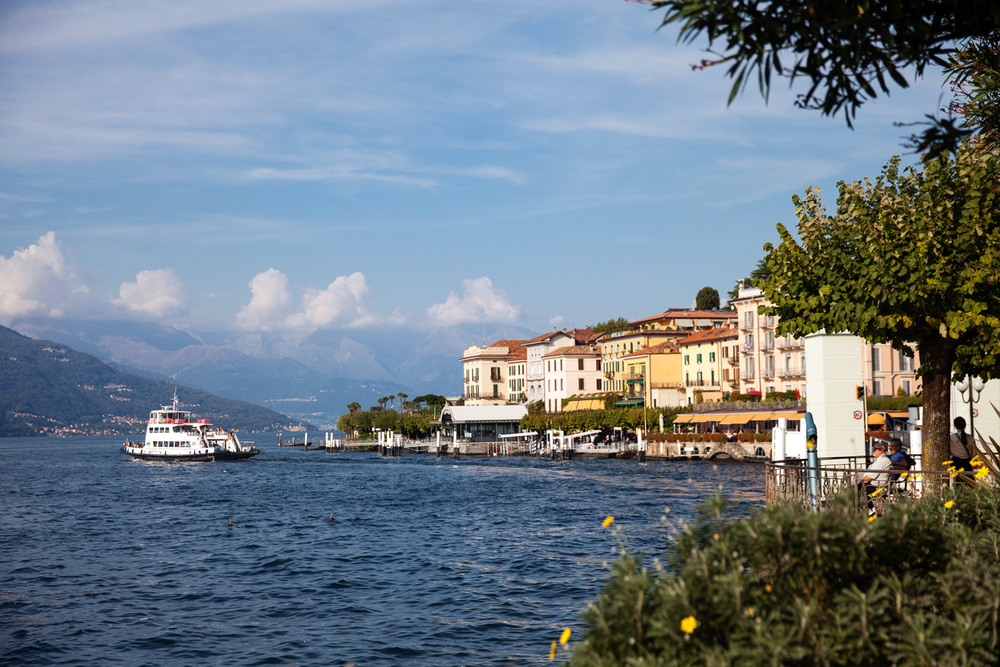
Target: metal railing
(792, 480)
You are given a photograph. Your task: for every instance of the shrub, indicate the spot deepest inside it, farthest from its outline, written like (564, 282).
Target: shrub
(919, 586)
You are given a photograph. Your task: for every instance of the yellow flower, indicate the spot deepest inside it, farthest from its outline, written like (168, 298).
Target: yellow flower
(608, 521)
(982, 473)
(715, 536)
(552, 652)
(949, 504)
(904, 475)
(954, 473)
(871, 518)
(688, 625)
(749, 611)
(947, 463)
(565, 636)
(878, 491)
(767, 587)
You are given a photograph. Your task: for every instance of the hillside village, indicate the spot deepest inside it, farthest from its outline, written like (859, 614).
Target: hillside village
(677, 358)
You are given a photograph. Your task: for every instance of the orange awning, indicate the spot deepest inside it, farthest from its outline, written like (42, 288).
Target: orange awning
(741, 418)
(877, 418)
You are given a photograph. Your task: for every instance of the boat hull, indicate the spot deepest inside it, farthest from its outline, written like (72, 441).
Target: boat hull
(236, 456)
(172, 459)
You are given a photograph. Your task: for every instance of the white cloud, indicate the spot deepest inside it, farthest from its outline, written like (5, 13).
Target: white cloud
(157, 294)
(481, 303)
(342, 302)
(38, 280)
(271, 306)
(270, 302)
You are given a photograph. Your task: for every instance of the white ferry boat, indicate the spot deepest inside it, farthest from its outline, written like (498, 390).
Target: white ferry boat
(172, 435)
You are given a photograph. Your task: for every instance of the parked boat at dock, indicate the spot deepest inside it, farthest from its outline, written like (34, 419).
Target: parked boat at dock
(172, 435)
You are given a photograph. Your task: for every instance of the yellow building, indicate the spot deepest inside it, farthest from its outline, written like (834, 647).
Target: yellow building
(652, 376)
(705, 363)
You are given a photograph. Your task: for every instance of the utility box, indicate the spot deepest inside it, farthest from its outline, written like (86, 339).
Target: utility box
(833, 376)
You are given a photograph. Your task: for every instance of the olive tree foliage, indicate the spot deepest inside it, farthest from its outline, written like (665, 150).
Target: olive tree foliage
(913, 258)
(707, 299)
(848, 52)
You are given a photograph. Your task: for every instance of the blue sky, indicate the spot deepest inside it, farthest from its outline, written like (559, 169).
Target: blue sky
(292, 165)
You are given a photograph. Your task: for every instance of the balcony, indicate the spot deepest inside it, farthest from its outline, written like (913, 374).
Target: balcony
(733, 360)
(634, 377)
(767, 373)
(766, 321)
(767, 346)
(792, 371)
(748, 375)
(789, 343)
(666, 385)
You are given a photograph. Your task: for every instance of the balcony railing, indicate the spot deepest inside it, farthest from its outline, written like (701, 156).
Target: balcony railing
(666, 385)
(788, 343)
(633, 377)
(733, 360)
(748, 375)
(767, 373)
(792, 371)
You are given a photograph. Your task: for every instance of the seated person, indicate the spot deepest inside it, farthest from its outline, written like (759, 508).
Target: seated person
(900, 459)
(877, 474)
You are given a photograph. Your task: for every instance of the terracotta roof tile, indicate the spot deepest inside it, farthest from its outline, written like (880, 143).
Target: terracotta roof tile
(710, 335)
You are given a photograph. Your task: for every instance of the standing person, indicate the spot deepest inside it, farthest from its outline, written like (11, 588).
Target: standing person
(961, 449)
(877, 474)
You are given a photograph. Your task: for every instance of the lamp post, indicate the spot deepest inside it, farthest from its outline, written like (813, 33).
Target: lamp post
(974, 387)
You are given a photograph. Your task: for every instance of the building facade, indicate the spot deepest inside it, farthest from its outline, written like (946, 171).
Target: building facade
(571, 371)
(703, 365)
(485, 371)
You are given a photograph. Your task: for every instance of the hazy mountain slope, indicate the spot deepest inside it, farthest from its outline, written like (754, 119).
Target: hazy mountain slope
(47, 387)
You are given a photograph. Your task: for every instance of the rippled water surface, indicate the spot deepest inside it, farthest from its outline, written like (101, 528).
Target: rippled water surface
(108, 560)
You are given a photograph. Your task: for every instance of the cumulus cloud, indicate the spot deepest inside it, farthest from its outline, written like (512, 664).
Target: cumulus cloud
(481, 303)
(342, 302)
(39, 281)
(157, 294)
(270, 302)
(272, 307)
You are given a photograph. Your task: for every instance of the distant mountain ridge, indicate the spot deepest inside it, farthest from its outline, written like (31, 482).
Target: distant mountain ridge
(48, 387)
(312, 378)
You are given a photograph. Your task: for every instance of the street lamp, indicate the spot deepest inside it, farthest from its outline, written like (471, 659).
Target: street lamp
(974, 386)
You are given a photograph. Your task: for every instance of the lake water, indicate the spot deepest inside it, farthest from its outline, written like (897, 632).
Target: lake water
(109, 560)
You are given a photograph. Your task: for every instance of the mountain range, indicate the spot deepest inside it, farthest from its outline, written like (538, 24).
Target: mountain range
(310, 378)
(47, 387)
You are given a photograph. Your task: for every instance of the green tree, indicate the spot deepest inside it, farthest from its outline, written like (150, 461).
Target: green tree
(912, 258)
(610, 326)
(753, 280)
(848, 52)
(707, 299)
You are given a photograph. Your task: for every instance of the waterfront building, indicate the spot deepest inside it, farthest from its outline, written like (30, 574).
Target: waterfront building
(485, 372)
(670, 326)
(571, 371)
(536, 348)
(706, 371)
(482, 422)
(652, 376)
(890, 372)
(517, 364)
(770, 363)
(766, 364)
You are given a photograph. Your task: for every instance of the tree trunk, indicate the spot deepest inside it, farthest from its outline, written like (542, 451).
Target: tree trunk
(937, 355)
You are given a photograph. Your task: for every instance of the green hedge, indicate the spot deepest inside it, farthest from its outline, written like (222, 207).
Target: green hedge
(918, 586)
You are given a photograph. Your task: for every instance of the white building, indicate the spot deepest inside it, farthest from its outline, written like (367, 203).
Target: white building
(571, 371)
